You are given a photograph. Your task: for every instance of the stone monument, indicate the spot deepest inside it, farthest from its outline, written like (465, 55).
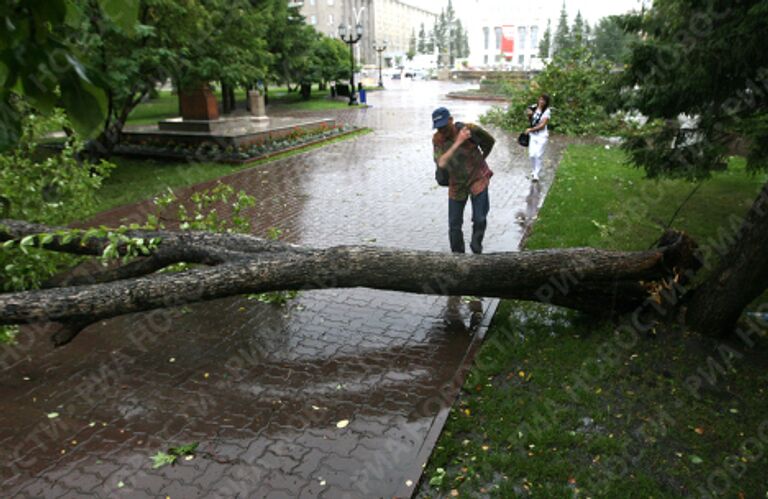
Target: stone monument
(198, 103)
(256, 105)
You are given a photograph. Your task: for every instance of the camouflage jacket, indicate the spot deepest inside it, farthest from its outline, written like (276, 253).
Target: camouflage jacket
(467, 170)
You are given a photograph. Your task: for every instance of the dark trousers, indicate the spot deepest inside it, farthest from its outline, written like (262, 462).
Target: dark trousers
(480, 207)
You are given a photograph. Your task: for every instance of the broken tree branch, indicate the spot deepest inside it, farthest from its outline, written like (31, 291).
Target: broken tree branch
(591, 280)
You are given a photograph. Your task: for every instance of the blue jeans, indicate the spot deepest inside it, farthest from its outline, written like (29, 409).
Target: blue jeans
(480, 207)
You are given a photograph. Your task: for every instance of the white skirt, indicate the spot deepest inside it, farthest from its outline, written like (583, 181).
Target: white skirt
(537, 145)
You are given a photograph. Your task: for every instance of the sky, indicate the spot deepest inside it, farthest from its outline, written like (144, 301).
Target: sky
(591, 10)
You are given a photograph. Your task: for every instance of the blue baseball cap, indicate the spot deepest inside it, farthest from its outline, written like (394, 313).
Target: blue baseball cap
(440, 117)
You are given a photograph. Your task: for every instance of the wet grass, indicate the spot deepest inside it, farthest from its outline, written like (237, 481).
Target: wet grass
(166, 104)
(318, 101)
(559, 406)
(149, 112)
(136, 180)
(599, 201)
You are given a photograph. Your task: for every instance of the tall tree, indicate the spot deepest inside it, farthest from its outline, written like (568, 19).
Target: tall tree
(463, 46)
(449, 36)
(327, 61)
(441, 38)
(131, 64)
(611, 42)
(459, 40)
(45, 70)
(546, 41)
(451, 33)
(718, 78)
(450, 14)
(412, 45)
(577, 31)
(430, 46)
(290, 41)
(188, 41)
(421, 48)
(562, 41)
(231, 48)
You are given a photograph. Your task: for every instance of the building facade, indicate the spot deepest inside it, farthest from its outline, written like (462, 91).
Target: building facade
(393, 21)
(503, 34)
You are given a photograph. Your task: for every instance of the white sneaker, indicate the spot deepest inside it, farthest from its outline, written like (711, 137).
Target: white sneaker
(535, 177)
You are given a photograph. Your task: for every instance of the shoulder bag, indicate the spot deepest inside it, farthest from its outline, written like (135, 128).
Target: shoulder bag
(441, 176)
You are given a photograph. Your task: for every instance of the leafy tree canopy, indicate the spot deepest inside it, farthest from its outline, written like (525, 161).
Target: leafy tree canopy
(577, 83)
(700, 75)
(53, 189)
(37, 62)
(326, 61)
(609, 40)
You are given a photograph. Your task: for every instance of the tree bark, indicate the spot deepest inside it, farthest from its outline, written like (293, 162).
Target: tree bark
(591, 280)
(306, 91)
(104, 145)
(228, 103)
(740, 276)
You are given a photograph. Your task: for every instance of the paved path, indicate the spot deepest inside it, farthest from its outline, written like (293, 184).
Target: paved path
(263, 389)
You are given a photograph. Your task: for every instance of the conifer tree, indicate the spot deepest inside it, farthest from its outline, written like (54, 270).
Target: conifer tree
(562, 40)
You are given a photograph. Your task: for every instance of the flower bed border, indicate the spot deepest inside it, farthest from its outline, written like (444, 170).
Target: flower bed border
(191, 157)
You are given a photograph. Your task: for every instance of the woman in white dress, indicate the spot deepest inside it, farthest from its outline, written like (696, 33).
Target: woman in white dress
(539, 133)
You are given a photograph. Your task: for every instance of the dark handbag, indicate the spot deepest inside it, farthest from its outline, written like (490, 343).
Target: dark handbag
(441, 176)
(524, 139)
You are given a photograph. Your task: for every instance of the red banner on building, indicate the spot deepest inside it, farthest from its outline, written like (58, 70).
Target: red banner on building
(507, 41)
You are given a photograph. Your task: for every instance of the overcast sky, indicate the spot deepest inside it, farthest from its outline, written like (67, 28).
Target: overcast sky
(592, 10)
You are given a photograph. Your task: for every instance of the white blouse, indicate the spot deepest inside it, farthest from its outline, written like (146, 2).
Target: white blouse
(538, 116)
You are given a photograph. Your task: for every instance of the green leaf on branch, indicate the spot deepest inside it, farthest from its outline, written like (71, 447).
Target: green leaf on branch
(161, 459)
(10, 127)
(4, 74)
(124, 13)
(85, 103)
(184, 450)
(437, 478)
(174, 453)
(41, 96)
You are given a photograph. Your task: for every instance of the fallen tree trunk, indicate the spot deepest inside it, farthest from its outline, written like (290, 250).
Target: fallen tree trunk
(586, 279)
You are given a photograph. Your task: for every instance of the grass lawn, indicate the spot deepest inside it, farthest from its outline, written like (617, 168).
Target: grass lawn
(166, 105)
(558, 406)
(135, 180)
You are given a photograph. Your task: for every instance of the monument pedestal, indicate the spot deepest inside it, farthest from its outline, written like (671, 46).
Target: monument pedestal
(198, 103)
(256, 105)
(219, 125)
(200, 124)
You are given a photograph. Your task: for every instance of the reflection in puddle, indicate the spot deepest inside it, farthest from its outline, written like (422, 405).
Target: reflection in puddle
(525, 218)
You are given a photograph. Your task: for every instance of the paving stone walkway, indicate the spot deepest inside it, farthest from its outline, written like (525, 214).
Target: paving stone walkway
(341, 393)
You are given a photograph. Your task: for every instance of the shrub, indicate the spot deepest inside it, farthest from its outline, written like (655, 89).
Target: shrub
(52, 189)
(580, 87)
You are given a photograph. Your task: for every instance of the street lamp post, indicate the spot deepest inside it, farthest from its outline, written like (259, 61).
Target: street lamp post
(380, 49)
(346, 35)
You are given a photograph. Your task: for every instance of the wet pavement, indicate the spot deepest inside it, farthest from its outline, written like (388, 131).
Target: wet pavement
(340, 393)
